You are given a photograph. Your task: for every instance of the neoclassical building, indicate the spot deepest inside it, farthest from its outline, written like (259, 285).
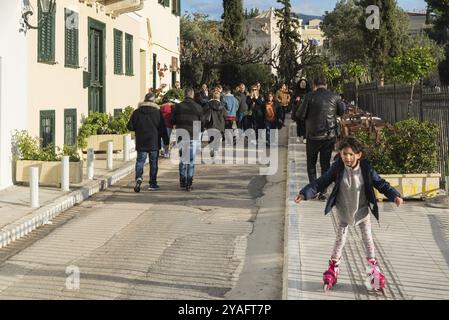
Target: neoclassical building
(86, 56)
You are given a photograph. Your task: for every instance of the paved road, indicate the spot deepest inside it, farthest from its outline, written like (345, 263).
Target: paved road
(221, 241)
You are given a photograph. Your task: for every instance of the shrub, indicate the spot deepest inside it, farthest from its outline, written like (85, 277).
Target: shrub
(118, 124)
(97, 123)
(410, 148)
(26, 147)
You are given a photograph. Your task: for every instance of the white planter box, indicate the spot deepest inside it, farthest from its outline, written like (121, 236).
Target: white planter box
(49, 171)
(415, 186)
(100, 142)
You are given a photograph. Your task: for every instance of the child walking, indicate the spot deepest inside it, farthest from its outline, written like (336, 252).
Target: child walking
(353, 196)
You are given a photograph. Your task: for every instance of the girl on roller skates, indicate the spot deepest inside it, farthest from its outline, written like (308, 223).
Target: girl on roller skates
(353, 196)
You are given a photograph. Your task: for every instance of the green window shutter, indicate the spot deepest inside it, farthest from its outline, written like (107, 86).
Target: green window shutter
(176, 7)
(47, 127)
(46, 39)
(118, 52)
(70, 124)
(129, 54)
(166, 3)
(154, 70)
(71, 38)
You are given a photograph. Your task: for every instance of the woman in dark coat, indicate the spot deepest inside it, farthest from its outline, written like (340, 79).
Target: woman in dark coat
(214, 115)
(302, 88)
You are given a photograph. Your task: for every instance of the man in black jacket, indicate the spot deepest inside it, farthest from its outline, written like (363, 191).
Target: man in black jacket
(148, 124)
(184, 116)
(319, 110)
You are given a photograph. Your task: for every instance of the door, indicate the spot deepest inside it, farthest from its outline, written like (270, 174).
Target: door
(96, 66)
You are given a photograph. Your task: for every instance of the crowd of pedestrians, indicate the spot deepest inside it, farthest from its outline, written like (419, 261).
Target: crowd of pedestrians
(224, 110)
(315, 111)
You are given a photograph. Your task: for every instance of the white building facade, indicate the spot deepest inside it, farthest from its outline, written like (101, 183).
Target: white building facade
(89, 56)
(263, 31)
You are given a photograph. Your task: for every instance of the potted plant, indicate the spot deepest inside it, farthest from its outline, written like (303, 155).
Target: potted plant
(27, 153)
(99, 128)
(406, 157)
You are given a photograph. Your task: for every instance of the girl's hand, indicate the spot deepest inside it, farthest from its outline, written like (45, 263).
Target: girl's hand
(398, 201)
(299, 198)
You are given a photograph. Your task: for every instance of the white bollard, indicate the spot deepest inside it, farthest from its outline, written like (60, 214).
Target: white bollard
(109, 156)
(34, 187)
(65, 173)
(90, 163)
(126, 147)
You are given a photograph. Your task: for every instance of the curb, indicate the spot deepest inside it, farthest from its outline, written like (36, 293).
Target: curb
(292, 265)
(43, 215)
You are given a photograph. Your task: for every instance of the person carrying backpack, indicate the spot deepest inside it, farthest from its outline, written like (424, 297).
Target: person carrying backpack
(271, 119)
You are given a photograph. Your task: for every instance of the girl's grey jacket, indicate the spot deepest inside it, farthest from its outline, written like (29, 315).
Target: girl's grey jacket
(335, 174)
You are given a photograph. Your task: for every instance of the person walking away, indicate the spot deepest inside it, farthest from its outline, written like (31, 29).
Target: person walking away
(148, 124)
(283, 97)
(214, 117)
(271, 119)
(166, 109)
(353, 197)
(302, 88)
(231, 105)
(319, 110)
(242, 112)
(183, 116)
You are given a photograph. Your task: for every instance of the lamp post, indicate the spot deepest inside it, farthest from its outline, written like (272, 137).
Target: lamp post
(47, 9)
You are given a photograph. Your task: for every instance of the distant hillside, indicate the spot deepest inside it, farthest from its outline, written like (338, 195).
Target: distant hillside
(306, 17)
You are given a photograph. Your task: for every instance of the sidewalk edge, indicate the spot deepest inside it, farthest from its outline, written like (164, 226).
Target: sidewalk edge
(292, 264)
(41, 216)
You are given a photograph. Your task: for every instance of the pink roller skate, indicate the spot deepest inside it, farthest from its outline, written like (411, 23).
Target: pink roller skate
(331, 274)
(376, 280)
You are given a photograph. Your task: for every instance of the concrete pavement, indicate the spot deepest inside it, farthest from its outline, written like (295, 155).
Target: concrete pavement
(17, 218)
(412, 241)
(412, 246)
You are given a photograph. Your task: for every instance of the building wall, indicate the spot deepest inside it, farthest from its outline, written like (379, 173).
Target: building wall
(164, 41)
(13, 84)
(314, 31)
(263, 31)
(56, 87)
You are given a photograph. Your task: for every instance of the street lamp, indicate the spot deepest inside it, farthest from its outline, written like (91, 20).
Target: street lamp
(47, 9)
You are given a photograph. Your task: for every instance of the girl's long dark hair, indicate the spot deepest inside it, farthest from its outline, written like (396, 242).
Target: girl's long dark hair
(353, 143)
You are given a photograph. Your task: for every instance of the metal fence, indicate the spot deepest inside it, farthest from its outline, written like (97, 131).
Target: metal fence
(391, 103)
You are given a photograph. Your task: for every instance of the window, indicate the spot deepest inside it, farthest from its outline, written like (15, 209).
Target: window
(129, 54)
(165, 3)
(70, 127)
(117, 112)
(118, 52)
(47, 127)
(71, 38)
(176, 7)
(154, 70)
(46, 39)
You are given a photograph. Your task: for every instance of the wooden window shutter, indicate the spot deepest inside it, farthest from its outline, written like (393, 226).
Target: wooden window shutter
(47, 127)
(70, 125)
(71, 38)
(129, 54)
(46, 39)
(118, 52)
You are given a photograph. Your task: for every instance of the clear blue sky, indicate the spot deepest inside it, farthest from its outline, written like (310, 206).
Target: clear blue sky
(214, 8)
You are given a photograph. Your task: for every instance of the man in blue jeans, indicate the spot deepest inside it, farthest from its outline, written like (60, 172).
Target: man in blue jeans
(148, 124)
(184, 116)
